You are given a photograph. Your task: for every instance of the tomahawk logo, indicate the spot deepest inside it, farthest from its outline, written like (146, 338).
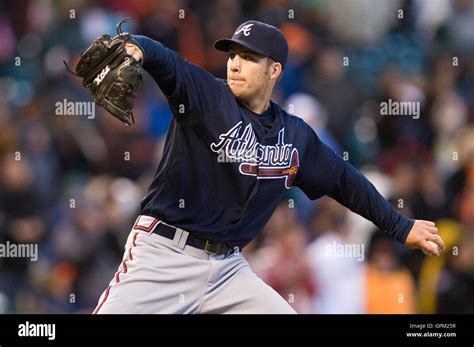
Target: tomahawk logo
(287, 172)
(102, 74)
(246, 29)
(263, 161)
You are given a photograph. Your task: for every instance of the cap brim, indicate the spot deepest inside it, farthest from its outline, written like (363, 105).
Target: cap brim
(224, 44)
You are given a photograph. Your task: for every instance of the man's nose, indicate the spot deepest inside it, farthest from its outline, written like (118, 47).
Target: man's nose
(235, 63)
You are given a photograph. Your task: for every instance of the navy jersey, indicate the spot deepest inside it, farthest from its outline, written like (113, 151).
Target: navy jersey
(224, 169)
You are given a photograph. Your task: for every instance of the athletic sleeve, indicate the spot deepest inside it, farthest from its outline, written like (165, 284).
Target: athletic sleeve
(320, 168)
(191, 91)
(323, 172)
(360, 196)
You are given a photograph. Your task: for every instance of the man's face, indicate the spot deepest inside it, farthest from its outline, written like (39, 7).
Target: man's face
(248, 73)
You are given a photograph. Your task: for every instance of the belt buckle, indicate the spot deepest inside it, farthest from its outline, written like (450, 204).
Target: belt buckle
(206, 245)
(219, 248)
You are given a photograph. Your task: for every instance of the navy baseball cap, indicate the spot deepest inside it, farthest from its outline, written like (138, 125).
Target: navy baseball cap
(260, 38)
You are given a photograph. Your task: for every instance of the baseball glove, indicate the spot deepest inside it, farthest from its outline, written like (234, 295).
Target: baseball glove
(111, 76)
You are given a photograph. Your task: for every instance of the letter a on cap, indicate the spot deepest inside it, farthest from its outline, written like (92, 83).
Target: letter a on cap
(246, 29)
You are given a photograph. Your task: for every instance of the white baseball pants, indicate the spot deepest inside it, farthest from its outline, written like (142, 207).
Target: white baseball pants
(157, 276)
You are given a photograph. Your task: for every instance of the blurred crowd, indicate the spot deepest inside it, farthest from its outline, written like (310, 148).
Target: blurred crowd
(73, 185)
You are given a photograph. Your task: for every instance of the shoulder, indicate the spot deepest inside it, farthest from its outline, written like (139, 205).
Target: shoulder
(292, 120)
(223, 83)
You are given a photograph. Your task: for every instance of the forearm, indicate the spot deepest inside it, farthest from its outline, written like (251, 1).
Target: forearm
(187, 86)
(360, 196)
(157, 60)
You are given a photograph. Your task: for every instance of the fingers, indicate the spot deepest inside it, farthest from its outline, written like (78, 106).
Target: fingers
(429, 226)
(430, 248)
(438, 241)
(134, 51)
(432, 243)
(428, 223)
(434, 237)
(424, 235)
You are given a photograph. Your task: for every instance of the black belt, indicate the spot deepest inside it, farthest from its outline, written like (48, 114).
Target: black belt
(169, 231)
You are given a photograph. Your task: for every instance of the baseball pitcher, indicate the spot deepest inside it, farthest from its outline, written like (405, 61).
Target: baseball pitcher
(231, 154)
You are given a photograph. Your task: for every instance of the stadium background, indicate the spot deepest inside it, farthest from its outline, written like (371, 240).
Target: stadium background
(72, 185)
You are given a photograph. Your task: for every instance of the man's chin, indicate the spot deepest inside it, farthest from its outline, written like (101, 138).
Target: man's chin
(238, 94)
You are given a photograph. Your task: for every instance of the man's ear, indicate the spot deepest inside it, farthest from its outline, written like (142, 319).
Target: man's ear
(276, 70)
